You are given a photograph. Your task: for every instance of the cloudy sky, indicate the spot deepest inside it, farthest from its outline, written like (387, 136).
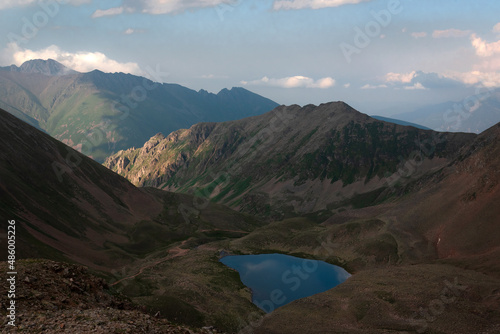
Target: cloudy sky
(380, 56)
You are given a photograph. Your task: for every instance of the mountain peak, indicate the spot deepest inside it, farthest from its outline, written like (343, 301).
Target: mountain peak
(48, 67)
(233, 90)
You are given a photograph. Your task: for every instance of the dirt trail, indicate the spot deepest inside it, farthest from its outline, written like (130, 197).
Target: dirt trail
(222, 230)
(172, 253)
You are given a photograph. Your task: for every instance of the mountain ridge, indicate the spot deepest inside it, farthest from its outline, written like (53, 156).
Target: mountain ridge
(338, 152)
(47, 67)
(101, 113)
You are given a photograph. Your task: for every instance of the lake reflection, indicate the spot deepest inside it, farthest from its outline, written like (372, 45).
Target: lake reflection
(277, 279)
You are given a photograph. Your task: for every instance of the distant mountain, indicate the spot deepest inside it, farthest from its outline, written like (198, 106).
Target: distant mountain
(21, 115)
(474, 114)
(400, 122)
(48, 67)
(289, 161)
(101, 113)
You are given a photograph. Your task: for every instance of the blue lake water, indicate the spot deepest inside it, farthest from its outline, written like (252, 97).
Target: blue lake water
(277, 279)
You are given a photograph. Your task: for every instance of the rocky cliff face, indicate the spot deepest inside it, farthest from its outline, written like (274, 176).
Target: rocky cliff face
(294, 159)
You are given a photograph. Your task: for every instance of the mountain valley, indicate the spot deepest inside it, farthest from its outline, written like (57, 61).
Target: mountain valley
(408, 212)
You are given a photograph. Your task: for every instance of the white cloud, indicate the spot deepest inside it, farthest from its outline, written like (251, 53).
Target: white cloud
(486, 79)
(490, 64)
(293, 82)
(484, 49)
(81, 61)
(158, 7)
(347, 85)
(176, 6)
(324, 83)
(213, 76)
(417, 35)
(448, 33)
(400, 77)
(312, 4)
(169, 6)
(131, 31)
(368, 86)
(496, 28)
(416, 86)
(418, 80)
(108, 12)
(4, 4)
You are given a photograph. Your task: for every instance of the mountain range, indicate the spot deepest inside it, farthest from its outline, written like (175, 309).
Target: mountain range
(410, 213)
(101, 113)
(474, 113)
(291, 161)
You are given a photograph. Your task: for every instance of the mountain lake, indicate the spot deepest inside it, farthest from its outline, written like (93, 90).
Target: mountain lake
(277, 279)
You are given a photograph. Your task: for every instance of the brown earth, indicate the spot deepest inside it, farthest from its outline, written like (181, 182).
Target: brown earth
(443, 233)
(53, 297)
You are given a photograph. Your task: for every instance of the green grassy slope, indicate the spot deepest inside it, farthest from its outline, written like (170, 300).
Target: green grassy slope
(102, 113)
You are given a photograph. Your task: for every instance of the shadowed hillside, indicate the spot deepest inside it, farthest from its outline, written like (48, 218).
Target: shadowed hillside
(69, 208)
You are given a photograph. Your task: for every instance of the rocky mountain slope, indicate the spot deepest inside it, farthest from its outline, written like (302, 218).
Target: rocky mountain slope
(424, 263)
(55, 297)
(69, 208)
(69, 205)
(456, 210)
(101, 113)
(291, 160)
